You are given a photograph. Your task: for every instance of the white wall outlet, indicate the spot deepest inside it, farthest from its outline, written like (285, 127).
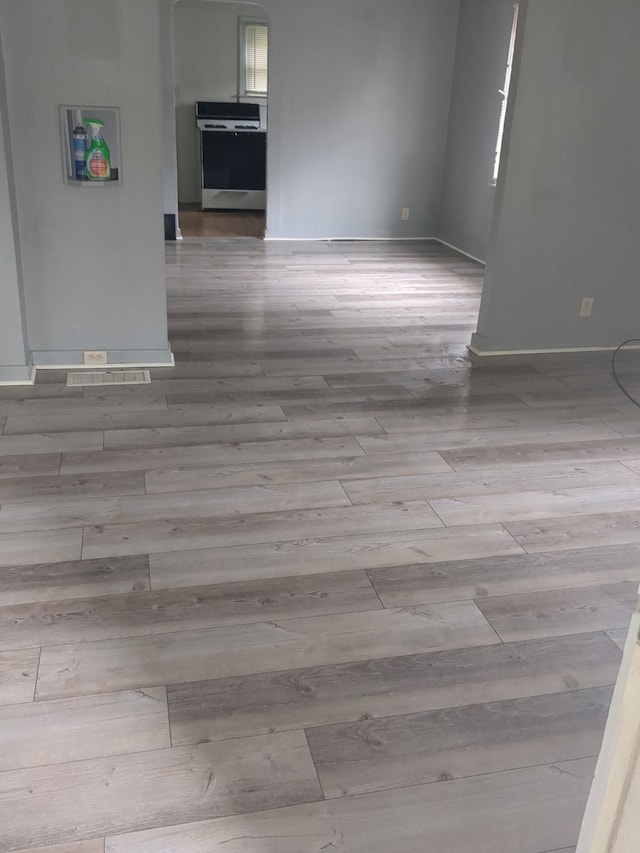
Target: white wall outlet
(405, 214)
(586, 307)
(95, 356)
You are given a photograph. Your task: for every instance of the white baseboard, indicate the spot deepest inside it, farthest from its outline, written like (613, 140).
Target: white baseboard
(111, 365)
(351, 239)
(558, 351)
(461, 251)
(20, 382)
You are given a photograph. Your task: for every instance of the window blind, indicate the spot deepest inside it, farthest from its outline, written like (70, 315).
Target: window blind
(256, 60)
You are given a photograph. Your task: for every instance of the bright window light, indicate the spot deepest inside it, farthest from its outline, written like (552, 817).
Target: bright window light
(504, 92)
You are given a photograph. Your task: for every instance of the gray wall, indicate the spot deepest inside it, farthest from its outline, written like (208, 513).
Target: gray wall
(205, 47)
(566, 224)
(92, 259)
(169, 158)
(358, 107)
(13, 356)
(468, 196)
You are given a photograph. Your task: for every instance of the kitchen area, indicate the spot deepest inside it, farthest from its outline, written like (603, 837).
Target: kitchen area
(220, 60)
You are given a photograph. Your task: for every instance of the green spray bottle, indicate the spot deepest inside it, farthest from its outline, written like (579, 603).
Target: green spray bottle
(98, 157)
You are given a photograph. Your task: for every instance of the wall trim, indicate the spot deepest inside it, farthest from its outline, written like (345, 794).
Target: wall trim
(349, 239)
(461, 251)
(478, 355)
(73, 360)
(555, 351)
(28, 377)
(110, 365)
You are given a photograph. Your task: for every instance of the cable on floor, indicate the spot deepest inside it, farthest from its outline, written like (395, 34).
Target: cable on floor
(615, 373)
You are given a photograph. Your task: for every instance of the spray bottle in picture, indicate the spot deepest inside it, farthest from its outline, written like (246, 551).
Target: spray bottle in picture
(98, 163)
(80, 144)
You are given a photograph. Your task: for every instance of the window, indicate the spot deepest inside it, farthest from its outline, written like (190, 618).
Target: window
(254, 56)
(504, 92)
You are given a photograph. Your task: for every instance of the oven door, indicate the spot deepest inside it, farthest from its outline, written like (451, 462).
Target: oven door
(233, 160)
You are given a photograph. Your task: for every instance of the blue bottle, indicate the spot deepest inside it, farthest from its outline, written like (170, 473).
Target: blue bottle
(80, 145)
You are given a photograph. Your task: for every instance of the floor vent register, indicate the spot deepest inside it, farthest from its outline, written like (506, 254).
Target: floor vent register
(108, 377)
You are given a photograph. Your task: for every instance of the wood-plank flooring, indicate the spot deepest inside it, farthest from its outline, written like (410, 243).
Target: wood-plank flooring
(195, 222)
(323, 586)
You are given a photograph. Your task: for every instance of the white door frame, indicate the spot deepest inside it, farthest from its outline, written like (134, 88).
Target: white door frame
(611, 822)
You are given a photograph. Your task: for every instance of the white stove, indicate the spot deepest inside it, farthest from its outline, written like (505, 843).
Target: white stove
(233, 148)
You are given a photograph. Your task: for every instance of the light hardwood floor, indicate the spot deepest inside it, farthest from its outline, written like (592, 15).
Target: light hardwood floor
(323, 586)
(195, 222)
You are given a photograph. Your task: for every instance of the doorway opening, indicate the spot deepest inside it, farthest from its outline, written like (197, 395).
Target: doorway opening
(220, 57)
(195, 222)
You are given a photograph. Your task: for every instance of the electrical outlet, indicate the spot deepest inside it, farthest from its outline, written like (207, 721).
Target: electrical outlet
(586, 307)
(95, 356)
(405, 213)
